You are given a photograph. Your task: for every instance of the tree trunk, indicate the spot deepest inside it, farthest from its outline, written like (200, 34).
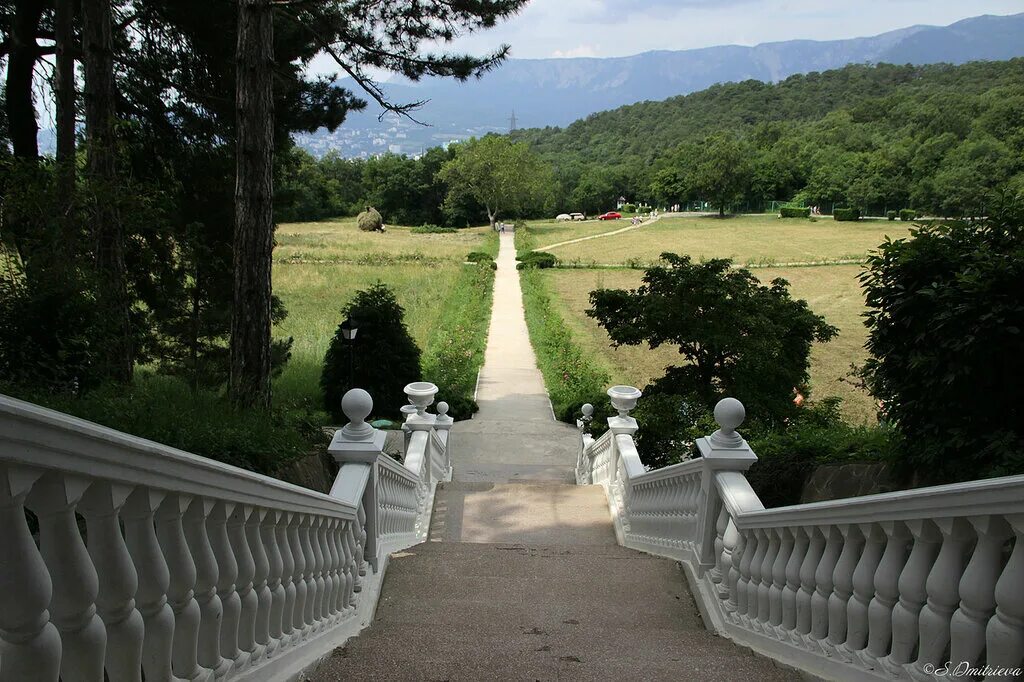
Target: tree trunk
(116, 355)
(64, 86)
(21, 111)
(254, 188)
(491, 216)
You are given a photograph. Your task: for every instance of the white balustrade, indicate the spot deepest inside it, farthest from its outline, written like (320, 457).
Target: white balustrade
(187, 568)
(905, 585)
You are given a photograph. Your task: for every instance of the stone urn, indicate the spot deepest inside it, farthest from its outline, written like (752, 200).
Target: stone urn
(421, 394)
(624, 398)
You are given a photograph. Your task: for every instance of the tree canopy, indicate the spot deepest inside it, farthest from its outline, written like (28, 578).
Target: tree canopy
(505, 177)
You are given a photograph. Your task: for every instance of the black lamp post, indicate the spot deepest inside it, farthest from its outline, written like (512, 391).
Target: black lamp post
(349, 328)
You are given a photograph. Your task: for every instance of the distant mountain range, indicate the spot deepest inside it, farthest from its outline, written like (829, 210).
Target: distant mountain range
(555, 92)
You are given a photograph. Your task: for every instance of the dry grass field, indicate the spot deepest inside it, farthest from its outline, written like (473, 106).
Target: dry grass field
(832, 291)
(751, 239)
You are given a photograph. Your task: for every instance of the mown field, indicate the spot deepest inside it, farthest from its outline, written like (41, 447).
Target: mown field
(830, 290)
(754, 239)
(319, 266)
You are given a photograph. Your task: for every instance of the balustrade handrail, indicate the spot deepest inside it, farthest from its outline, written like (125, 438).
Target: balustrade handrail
(44, 438)
(398, 468)
(910, 585)
(975, 498)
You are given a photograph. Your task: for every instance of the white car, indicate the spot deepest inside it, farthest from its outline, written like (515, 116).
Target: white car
(578, 216)
(563, 217)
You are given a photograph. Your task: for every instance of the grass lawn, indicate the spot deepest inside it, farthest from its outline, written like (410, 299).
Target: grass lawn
(341, 241)
(552, 231)
(319, 266)
(832, 291)
(753, 239)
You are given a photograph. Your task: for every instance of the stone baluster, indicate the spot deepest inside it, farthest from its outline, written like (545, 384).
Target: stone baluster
(227, 574)
(308, 617)
(275, 572)
(118, 580)
(887, 591)
(756, 563)
(211, 611)
(1005, 633)
(170, 532)
(745, 578)
(977, 591)
(351, 566)
(319, 564)
(942, 587)
(717, 573)
(350, 537)
(730, 540)
(797, 551)
(906, 612)
(331, 574)
(283, 534)
(738, 550)
(842, 579)
(260, 580)
(805, 596)
(30, 646)
(863, 587)
(154, 579)
(54, 498)
(823, 582)
(248, 601)
(764, 590)
(359, 536)
(298, 578)
(778, 585)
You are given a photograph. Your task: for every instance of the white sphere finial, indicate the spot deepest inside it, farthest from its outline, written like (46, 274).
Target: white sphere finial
(357, 405)
(588, 410)
(442, 408)
(729, 414)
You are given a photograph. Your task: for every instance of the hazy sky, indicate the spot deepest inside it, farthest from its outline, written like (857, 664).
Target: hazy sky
(608, 28)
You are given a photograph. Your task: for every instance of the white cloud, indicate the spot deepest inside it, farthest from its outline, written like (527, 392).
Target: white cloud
(578, 51)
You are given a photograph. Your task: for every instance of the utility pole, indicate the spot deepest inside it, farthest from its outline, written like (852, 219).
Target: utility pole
(512, 122)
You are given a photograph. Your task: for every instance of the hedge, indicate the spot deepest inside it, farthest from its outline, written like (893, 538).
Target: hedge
(891, 215)
(537, 259)
(794, 212)
(846, 214)
(908, 214)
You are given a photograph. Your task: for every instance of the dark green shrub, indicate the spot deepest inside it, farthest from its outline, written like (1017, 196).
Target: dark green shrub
(478, 257)
(891, 215)
(908, 214)
(945, 319)
(846, 214)
(386, 357)
(537, 259)
(433, 229)
(629, 208)
(794, 212)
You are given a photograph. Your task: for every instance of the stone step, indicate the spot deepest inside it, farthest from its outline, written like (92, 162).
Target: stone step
(522, 513)
(460, 611)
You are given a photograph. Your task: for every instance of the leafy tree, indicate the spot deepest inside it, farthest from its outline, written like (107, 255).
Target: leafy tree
(723, 171)
(384, 356)
(739, 337)
(945, 319)
(504, 176)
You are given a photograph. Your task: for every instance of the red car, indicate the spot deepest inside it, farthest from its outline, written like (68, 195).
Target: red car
(610, 215)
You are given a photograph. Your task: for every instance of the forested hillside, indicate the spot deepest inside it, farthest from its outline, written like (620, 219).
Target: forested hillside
(937, 138)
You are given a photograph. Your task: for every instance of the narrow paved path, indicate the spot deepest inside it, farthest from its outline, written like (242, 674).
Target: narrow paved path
(521, 577)
(627, 228)
(514, 436)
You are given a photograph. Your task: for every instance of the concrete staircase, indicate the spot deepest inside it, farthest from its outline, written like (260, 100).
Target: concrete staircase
(526, 582)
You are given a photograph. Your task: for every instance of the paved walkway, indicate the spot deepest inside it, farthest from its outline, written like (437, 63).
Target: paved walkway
(649, 221)
(514, 436)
